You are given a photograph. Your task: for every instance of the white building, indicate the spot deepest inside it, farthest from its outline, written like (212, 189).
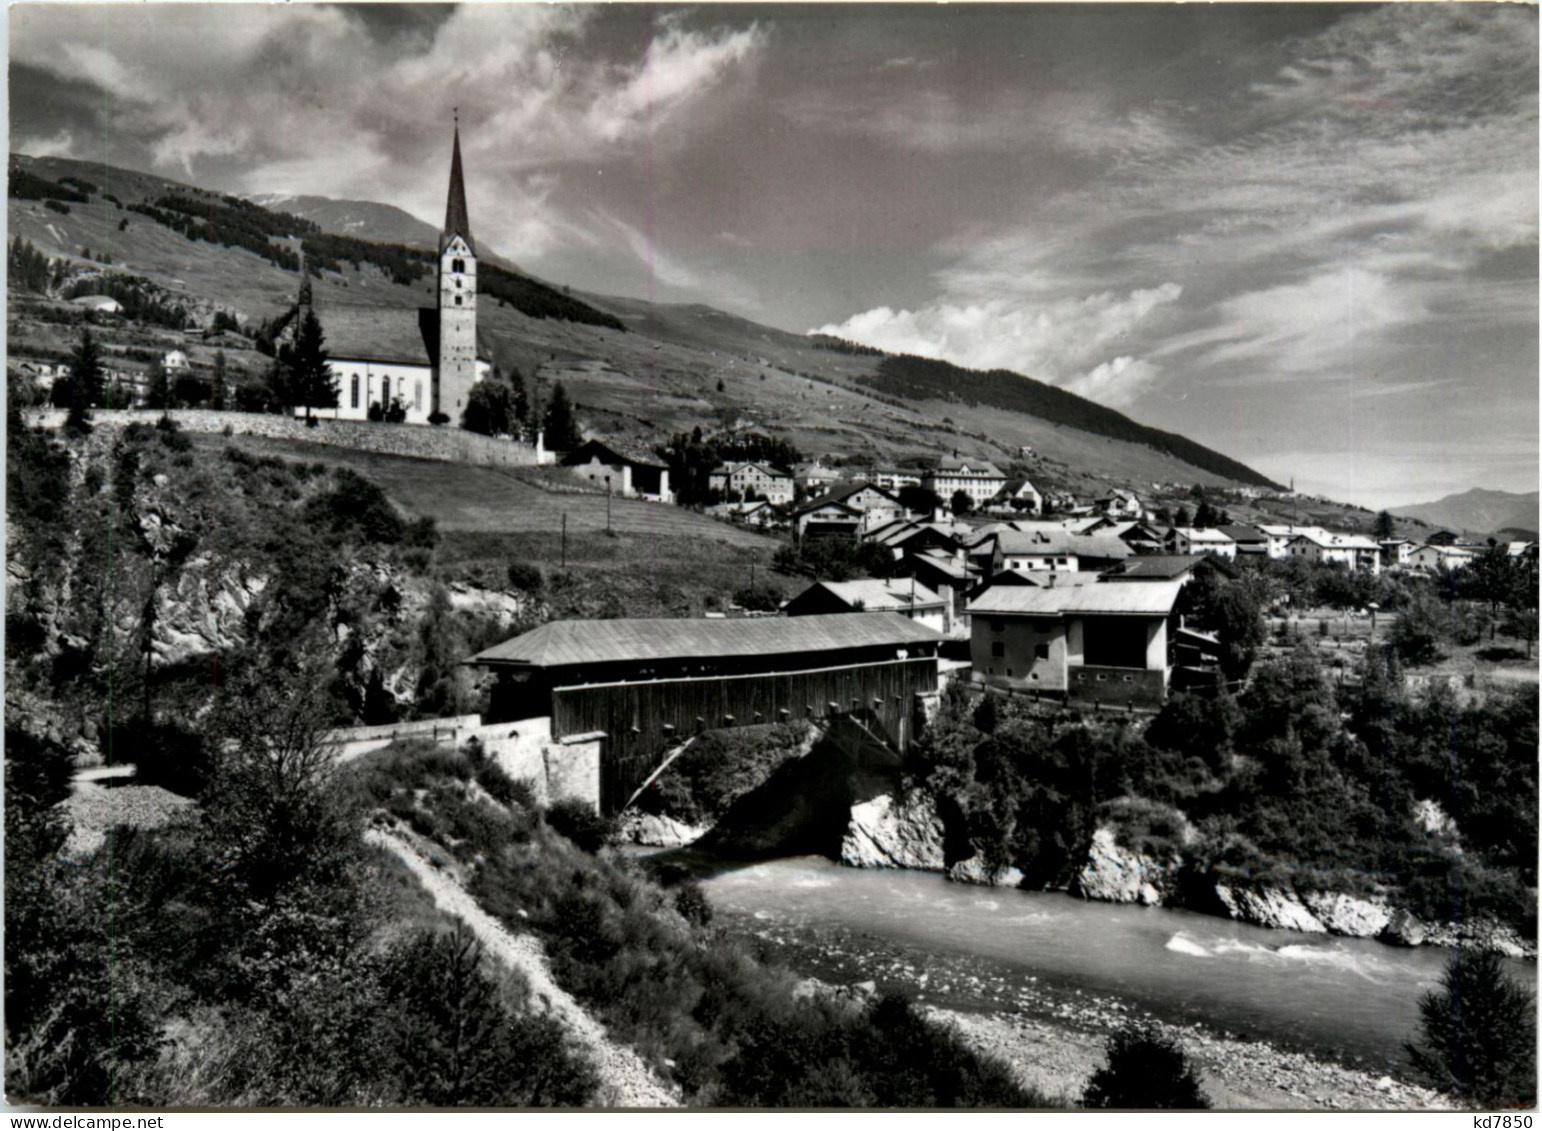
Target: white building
(759, 480)
(977, 478)
(1200, 540)
(1353, 551)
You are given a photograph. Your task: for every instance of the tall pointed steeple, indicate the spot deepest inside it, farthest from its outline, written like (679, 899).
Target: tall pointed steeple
(456, 221)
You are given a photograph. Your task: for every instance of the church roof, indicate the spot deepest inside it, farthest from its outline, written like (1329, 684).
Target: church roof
(456, 220)
(409, 336)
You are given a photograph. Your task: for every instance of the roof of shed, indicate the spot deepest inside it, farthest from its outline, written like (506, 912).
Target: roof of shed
(561, 643)
(1152, 598)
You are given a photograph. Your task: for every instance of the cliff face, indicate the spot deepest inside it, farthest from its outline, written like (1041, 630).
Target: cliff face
(145, 559)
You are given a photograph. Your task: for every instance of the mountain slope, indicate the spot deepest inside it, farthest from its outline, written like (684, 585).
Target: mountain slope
(366, 220)
(1479, 511)
(638, 370)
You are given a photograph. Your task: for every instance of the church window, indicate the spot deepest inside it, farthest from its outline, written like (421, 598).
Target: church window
(417, 395)
(355, 392)
(457, 300)
(458, 265)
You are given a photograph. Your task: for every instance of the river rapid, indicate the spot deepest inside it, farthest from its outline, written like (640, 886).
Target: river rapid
(975, 949)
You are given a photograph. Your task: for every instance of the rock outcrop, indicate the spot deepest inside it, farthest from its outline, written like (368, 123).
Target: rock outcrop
(884, 833)
(1115, 874)
(974, 871)
(1268, 907)
(656, 831)
(1358, 917)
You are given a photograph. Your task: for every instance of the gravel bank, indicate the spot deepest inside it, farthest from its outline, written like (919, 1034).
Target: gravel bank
(627, 1080)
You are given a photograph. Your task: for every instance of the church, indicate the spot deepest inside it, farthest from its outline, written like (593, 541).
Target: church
(427, 358)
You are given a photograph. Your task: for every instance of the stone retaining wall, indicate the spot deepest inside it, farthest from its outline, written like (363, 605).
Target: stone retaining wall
(446, 444)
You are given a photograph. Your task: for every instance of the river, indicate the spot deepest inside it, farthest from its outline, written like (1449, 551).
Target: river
(960, 946)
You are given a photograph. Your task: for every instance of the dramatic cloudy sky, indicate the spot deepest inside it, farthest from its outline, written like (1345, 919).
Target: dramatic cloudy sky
(1304, 235)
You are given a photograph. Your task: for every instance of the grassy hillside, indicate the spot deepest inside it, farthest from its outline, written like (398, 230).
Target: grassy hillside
(672, 368)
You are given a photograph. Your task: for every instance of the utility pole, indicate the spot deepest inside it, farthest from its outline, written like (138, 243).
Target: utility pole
(564, 541)
(607, 506)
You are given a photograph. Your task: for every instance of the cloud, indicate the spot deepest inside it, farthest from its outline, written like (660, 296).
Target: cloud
(1313, 327)
(61, 144)
(677, 66)
(1063, 342)
(325, 99)
(1324, 222)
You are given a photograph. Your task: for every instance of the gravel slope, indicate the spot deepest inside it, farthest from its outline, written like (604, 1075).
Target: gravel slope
(627, 1080)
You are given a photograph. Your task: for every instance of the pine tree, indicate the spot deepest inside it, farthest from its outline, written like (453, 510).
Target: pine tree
(521, 401)
(84, 383)
(1384, 526)
(562, 433)
(217, 383)
(1477, 1034)
(314, 385)
(1145, 1070)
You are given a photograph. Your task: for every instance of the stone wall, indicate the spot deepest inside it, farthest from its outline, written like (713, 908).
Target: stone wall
(446, 444)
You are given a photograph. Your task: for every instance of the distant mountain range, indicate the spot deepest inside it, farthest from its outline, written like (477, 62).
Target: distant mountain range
(365, 220)
(1478, 511)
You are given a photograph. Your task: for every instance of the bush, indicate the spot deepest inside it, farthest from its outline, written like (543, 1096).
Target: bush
(581, 824)
(505, 789)
(526, 576)
(165, 754)
(1145, 1069)
(692, 903)
(1477, 1035)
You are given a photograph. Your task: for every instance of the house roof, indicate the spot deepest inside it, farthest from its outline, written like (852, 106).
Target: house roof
(1330, 540)
(1204, 534)
(1240, 532)
(1044, 578)
(1147, 598)
(943, 564)
(823, 503)
(953, 465)
(562, 643)
(1156, 567)
(620, 450)
(733, 468)
(841, 494)
(1062, 542)
(877, 595)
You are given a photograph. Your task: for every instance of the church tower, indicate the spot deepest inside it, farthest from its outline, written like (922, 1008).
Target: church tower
(455, 368)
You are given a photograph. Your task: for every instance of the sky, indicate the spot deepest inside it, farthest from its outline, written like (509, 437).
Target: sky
(1303, 235)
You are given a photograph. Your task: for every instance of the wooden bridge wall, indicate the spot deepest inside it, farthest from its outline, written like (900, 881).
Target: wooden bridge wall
(634, 715)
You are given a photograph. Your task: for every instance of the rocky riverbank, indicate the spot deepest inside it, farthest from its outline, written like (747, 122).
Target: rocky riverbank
(909, 833)
(1053, 1037)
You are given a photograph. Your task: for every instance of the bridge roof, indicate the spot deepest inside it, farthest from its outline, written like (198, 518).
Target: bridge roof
(563, 643)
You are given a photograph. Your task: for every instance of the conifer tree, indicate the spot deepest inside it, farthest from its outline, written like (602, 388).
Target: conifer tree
(562, 433)
(314, 384)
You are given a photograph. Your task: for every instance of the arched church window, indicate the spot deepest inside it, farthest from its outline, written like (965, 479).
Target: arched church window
(458, 265)
(355, 392)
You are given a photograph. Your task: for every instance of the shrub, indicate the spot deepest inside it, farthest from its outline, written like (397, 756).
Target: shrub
(505, 789)
(526, 576)
(692, 903)
(166, 755)
(1477, 1034)
(1145, 1069)
(581, 824)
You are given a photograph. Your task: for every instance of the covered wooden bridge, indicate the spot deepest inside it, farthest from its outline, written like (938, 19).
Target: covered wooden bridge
(642, 687)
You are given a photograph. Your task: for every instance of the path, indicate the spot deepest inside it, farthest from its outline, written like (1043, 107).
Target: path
(626, 1079)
